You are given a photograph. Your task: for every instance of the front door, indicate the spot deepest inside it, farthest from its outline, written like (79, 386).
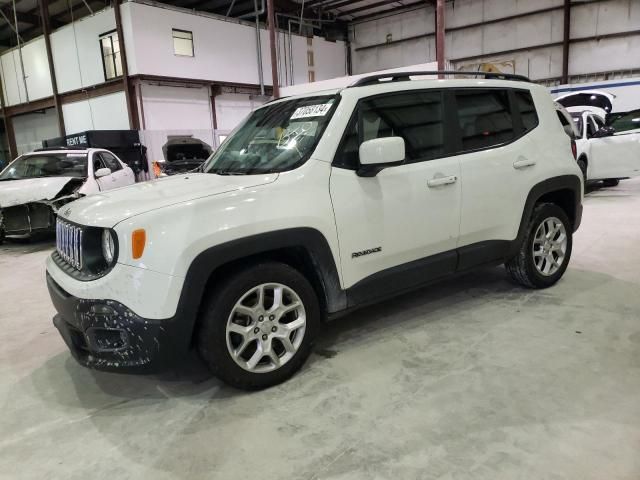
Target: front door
(399, 228)
(616, 156)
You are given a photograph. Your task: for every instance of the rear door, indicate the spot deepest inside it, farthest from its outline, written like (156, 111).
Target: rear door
(400, 227)
(498, 168)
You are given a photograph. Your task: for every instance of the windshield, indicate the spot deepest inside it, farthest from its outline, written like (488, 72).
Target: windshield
(624, 121)
(47, 165)
(577, 119)
(275, 138)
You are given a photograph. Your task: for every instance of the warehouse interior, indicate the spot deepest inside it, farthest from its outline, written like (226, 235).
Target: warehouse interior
(469, 377)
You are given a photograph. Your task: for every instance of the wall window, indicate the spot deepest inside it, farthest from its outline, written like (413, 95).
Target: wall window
(527, 109)
(111, 61)
(484, 117)
(416, 117)
(310, 59)
(312, 76)
(182, 42)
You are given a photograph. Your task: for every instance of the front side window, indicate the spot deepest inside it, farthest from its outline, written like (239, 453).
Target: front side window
(417, 117)
(111, 61)
(110, 161)
(182, 42)
(274, 138)
(46, 165)
(484, 116)
(626, 121)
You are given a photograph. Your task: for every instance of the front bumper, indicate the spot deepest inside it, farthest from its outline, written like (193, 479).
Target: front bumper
(106, 335)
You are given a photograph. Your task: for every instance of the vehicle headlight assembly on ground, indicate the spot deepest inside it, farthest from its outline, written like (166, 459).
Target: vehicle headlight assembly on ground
(108, 246)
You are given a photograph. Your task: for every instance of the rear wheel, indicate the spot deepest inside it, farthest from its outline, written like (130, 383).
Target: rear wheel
(546, 249)
(611, 182)
(259, 326)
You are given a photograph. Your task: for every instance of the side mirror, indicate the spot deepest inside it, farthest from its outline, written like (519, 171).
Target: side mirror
(604, 132)
(380, 153)
(102, 172)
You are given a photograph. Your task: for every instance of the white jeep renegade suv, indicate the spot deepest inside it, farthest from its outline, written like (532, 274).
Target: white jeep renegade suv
(315, 205)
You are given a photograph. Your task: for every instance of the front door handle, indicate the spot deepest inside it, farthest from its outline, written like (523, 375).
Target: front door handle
(439, 181)
(523, 163)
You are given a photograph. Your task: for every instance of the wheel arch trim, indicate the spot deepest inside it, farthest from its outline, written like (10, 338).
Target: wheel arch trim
(551, 185)
(207, 262)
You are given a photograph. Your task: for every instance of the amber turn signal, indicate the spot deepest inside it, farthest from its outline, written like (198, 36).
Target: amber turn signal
(138, 241)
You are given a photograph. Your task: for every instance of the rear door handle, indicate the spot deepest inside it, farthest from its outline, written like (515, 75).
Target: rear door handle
(439, 181)
(523, 163)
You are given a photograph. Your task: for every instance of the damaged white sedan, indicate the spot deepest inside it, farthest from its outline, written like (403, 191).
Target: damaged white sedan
(36, 185)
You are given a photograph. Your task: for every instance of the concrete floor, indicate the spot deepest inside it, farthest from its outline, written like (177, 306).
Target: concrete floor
(470, 379)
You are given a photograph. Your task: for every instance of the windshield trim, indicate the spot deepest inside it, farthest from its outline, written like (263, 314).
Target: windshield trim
(206, 168)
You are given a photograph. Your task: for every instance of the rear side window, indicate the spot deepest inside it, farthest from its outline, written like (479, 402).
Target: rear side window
(527, 109)
(568, 129)
(417, 117)
(485, 119)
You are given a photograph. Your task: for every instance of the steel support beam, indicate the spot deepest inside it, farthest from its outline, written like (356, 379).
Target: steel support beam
(565, 41)
(440, 35)
(46, 29)
(133, 120)
(271, 19)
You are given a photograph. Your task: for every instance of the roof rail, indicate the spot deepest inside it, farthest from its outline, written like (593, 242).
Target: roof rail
(406, 76)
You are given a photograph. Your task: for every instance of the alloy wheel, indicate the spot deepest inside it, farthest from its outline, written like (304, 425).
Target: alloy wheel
(266, 327)
(549, 246)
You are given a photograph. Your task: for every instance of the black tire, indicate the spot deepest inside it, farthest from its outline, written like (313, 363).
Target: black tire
(521, 268)
(611, 182)
(212, 335)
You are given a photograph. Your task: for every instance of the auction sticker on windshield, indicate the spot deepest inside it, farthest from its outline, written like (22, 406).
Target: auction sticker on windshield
(312, 111)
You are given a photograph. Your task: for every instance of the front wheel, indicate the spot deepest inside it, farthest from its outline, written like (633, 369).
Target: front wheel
(546, 249)
(259, 326)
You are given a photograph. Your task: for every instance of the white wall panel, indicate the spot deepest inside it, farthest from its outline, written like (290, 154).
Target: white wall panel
(36, 68)
(175, 108)
(482, 43)
(32, 128)
(76, 51)
(108, 112)
(232, 108)
(330, 59)
(223, 51)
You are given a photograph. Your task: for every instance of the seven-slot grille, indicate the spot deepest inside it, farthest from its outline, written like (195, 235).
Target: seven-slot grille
(69, 243)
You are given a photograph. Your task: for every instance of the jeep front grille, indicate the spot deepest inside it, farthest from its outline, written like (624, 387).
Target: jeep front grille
(69, 243)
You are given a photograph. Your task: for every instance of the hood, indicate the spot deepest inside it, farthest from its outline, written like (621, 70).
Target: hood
(106, 209)
(588, 100)
(18, 192)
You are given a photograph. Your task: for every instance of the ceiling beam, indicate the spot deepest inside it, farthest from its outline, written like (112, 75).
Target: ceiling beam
(391, 11)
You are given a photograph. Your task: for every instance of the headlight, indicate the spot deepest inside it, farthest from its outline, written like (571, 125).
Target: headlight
(108, 246)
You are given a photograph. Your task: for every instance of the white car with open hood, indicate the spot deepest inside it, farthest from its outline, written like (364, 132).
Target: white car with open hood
(608, 144)
(317, 204)
(36, 185)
